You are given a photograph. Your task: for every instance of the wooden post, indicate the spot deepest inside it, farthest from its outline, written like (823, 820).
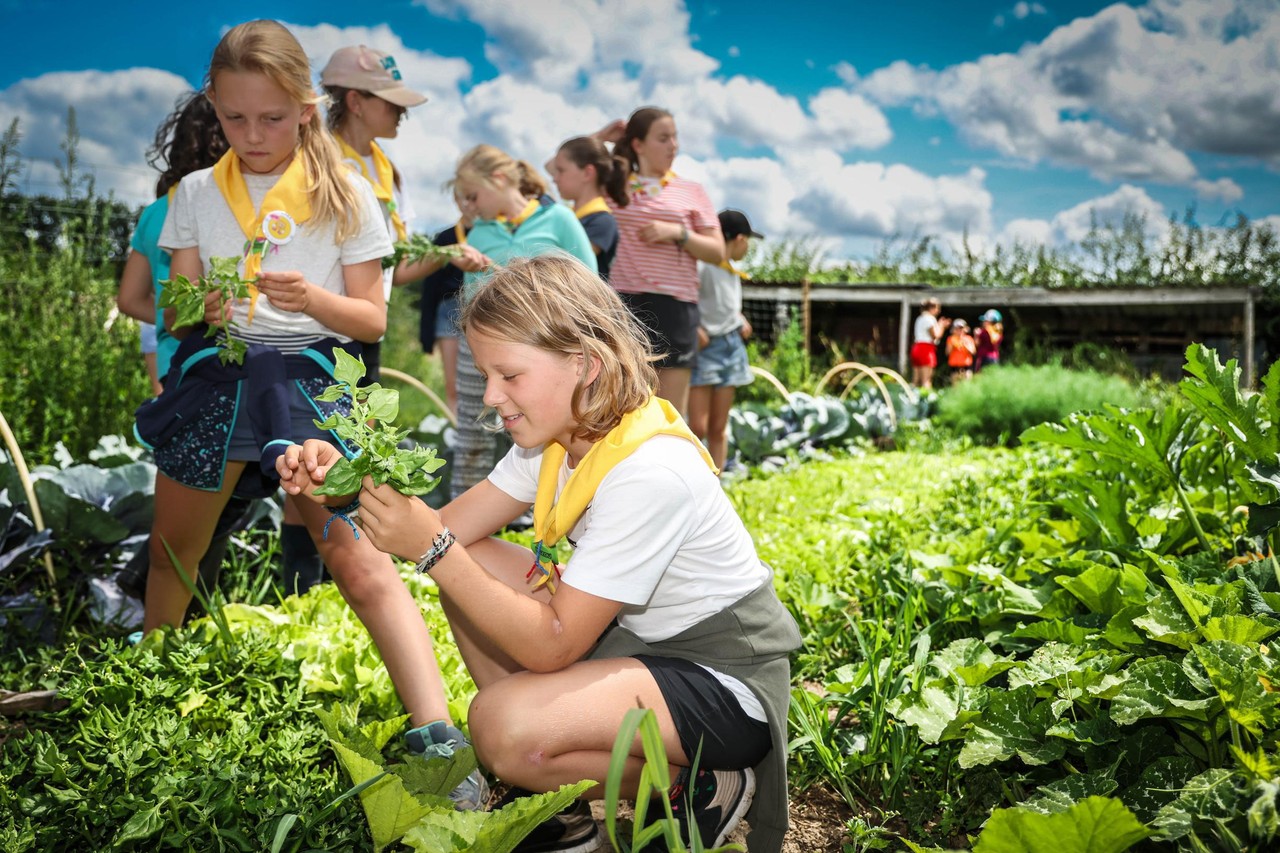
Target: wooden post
(904, 334)
(806, 313)
(1248, 339)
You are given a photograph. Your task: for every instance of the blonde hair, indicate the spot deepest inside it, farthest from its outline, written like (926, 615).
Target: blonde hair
(481, 163)
(556, 304)
(267, 47)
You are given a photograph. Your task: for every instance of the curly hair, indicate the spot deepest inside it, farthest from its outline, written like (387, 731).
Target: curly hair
(556, 304)
(189, 138)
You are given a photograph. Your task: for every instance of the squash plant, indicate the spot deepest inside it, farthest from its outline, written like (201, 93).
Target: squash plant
(1131, 685)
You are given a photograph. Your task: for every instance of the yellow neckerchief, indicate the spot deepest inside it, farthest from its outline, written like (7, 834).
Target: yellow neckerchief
(384, 186)
(287, 196)
(596, 205)
(552, 521)
(460, 233)
(726, 265)
(173, 190)
(636, 184)
(530, 208)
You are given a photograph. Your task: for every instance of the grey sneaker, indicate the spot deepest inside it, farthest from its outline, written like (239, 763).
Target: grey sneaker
(441, 740)
(472, 795)
(573, 830)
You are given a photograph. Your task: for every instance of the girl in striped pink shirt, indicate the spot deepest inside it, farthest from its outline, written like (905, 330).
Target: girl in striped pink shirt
(667, 226)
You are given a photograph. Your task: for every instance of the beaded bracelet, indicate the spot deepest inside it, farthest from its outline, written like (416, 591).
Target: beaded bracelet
(439, 547)
(344, 513)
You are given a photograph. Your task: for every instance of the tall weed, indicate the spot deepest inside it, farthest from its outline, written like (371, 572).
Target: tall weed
(73, 370)
(997, 405)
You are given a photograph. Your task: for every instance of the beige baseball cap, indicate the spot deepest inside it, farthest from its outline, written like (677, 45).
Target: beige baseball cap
(368, 70)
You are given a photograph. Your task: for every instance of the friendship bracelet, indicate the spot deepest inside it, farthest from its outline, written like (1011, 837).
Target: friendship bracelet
(342, 512)
(439, 547)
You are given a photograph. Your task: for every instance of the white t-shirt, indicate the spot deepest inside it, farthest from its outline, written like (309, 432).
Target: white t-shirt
(403, 207)
(924, 329)
(200, 217)
(660, 536)
(719, 299)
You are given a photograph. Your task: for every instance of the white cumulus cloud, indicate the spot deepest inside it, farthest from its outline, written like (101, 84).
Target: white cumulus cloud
(1127, 94)
(116, 115)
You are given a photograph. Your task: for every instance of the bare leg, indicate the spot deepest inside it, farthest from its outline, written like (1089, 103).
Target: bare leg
(673, 386)
(370, 584)
(699, 410)
(718, 424)
(449, 360)
(185, 519)
(543, 730)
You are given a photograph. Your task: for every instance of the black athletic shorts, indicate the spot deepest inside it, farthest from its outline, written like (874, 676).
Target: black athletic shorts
(706, 712)
(672, 326)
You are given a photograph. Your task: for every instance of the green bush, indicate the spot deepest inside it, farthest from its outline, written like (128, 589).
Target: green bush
(1000, 402)
(73, 370)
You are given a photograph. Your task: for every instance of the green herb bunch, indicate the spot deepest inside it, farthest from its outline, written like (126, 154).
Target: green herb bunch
(187, 297)
(368, 427)
(417, 247)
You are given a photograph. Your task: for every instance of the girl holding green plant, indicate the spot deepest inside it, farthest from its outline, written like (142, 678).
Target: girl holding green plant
(662, 601)
(308, 235)
(514, 218)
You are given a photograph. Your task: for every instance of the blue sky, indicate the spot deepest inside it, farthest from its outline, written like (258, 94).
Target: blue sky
(852, 122)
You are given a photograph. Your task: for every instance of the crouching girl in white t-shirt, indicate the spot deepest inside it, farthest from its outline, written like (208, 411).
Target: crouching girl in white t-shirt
(660, 565)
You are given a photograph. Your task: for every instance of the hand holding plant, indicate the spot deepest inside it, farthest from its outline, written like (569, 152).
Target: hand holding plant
(194, 301)
(368, 427)
(418, 247)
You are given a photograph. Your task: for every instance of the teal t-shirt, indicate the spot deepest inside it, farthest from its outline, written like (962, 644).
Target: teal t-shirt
(552, 226)
(146, 242)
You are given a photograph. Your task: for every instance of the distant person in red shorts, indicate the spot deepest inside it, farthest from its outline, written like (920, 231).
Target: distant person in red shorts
(929, 329)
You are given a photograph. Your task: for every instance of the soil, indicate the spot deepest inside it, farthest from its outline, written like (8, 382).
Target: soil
(818, 817)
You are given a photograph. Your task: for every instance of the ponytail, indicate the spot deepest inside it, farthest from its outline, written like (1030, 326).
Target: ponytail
(611, 170)
(481, 163)
(637, 128)
(532, 184)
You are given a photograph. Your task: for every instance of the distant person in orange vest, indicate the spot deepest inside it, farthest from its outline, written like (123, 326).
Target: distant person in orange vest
(988, 338)
(960, 351)
(929, 328)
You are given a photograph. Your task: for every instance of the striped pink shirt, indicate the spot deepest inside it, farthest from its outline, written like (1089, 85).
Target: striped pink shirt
(665, 268)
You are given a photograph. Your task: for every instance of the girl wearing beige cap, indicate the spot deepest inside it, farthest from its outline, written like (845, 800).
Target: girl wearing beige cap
(368, 98)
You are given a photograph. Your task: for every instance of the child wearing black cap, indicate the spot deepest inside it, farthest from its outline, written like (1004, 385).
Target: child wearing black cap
(722, 354)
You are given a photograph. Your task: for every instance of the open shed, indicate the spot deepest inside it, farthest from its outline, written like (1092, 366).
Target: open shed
(1153, 325)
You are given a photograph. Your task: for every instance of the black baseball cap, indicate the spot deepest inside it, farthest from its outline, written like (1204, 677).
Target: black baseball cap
(735, 222)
